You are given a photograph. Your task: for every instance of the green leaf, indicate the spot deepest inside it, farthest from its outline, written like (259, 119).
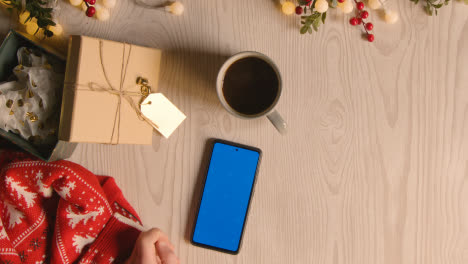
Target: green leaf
(313, 4)
(309, 30)
(466, 2)
(334, 3)
(48, 33)
(302, 2)
(305, 9)
(438, 6)
(315, 15)
(41, 23)
(316, 24)
(304, 29)
(33, 13)
(428, 9)
(416, 2)
(324, 16)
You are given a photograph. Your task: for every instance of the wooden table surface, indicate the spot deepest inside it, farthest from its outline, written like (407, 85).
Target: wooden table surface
(374, 168)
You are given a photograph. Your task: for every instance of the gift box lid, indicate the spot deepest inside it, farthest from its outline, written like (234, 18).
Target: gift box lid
(101, 93)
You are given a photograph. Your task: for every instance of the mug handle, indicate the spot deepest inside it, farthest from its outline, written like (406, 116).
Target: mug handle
(279, 123)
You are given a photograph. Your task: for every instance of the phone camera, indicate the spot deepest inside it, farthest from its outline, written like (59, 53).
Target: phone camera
(237, 149)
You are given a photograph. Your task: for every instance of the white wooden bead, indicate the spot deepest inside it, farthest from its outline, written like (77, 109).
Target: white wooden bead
(57, 29)
(76, 2)
(288, 8)
(109, 3)
(176, 8)
(346, 7)
(84, 7)
(374, 4)
(391, 17)
(321, 6)
(103, 14)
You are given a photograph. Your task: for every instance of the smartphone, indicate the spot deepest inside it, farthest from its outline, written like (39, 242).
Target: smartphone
(226, 196)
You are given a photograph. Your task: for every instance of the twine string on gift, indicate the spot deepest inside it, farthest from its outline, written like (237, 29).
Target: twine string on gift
(120, 92)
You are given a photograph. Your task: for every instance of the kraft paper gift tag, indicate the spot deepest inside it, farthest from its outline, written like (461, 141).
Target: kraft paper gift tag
(165, 115)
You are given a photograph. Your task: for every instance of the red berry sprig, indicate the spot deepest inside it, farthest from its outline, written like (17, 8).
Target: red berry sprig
(298, 10)
(359, 19)
(91, 10)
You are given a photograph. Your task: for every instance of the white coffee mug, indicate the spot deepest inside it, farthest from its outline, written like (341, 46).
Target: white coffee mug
(273, 115)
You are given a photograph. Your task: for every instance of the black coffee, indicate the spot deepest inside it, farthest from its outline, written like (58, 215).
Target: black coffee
(250, 86)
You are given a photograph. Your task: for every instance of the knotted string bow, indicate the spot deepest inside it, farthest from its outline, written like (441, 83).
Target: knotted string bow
(119, 93)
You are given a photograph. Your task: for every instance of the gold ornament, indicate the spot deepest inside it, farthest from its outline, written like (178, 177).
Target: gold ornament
(57, 29)
(145, 89)
(9, 103)
(30, 94)
(32, 28)
(23, 17)
(32, 116)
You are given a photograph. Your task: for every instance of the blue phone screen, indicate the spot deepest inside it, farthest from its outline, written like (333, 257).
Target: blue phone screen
(226, 197)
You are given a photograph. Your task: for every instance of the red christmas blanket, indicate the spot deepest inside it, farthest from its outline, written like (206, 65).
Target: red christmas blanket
(59, 212)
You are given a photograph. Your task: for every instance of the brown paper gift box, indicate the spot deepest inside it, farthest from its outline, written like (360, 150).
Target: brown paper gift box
(94, 116)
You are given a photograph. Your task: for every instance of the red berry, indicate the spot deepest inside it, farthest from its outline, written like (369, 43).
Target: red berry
(370, 37)
(298, 9)
(341, 1)
(369, 26)
(360, 5)
(91, 2)
(310, 2)
(91, 11)
(359, 21)
(353, 21)
(364, 14)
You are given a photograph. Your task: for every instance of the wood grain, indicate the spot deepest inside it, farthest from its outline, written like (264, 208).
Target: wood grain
(375, 166)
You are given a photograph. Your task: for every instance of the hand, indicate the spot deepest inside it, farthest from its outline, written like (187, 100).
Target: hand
(153, 247)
